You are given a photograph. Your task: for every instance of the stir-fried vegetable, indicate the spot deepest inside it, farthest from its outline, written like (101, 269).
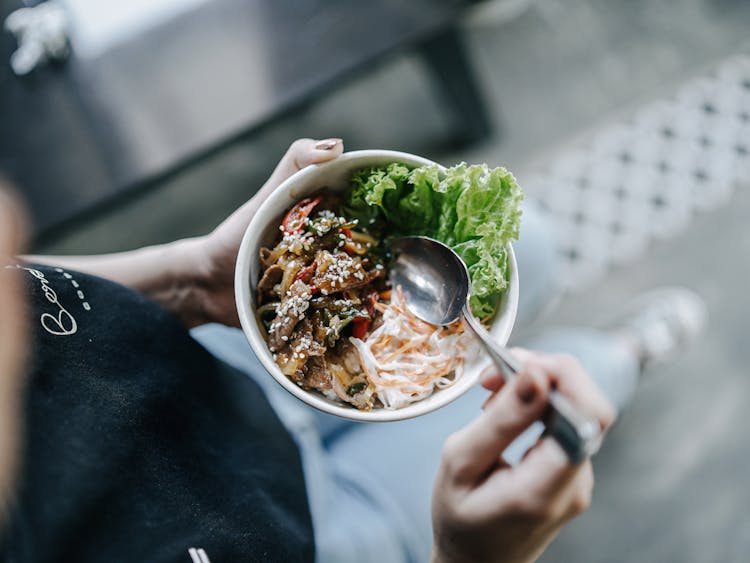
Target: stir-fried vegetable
(295, 219)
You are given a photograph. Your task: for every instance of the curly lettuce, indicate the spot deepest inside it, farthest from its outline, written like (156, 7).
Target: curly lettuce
(473, 209)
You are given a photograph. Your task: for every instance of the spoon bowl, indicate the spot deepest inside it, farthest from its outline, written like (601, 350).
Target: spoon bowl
(433, 278)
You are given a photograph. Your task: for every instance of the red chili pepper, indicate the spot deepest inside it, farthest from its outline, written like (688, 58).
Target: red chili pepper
(306, 273)
(360, 326)
(347, 233)
(294, 220)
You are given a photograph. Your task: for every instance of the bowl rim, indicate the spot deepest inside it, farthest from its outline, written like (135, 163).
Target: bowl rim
(245, 303)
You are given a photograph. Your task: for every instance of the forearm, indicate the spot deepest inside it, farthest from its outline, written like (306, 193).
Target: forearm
(194, 278)
(173, 274)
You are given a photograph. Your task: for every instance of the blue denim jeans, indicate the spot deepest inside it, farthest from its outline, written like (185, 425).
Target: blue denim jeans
(370, 484)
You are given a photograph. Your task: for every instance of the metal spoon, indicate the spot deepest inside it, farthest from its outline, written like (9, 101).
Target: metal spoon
(437, 287)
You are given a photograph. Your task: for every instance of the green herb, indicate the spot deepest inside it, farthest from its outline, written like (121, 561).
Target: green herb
(340, 321)
(355, 388)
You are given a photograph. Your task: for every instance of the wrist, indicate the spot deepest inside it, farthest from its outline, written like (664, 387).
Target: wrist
(208, 265)
(184, 287)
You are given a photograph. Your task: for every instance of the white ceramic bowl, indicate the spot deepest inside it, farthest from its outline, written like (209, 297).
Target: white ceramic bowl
(263, 230)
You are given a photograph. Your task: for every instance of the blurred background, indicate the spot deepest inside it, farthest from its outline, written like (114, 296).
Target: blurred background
(628, 121)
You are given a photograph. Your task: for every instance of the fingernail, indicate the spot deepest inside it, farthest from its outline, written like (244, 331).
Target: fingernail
(327, 144)
(527, 388)
(487, 374)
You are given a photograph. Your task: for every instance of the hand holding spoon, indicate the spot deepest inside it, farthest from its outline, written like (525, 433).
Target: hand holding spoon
(437, 288)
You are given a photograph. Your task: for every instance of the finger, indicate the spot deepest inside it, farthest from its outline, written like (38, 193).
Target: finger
(488, 400)
(559, 495)
(580, 492)
(569, 378)
(521, 354)
(545, 486)
(491, 379)
(305, 152)
(324, 150)
(475, 449)
(536, 445)
(547, 469)
(302, 153)
(541, 481)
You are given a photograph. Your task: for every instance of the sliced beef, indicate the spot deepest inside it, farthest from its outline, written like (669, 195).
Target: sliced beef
(339, 272)
(267, 284)
(292, 309)
(319, 329)
(345, 354)
(318, 376)
(303, 342)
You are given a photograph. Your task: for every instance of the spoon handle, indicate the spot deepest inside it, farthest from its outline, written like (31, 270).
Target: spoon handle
(579, 435)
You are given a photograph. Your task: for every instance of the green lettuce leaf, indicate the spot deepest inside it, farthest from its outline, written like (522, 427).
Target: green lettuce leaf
(473, 209)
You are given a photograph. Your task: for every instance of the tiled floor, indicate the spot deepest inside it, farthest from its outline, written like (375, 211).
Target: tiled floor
(643, 177)
(672, 478)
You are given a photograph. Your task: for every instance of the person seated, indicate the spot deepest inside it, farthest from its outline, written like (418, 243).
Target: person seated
(135, 442)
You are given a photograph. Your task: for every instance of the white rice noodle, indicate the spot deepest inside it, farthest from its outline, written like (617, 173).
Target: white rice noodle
(405, 360)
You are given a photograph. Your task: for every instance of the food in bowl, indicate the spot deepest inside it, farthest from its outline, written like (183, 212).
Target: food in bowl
(331, 321)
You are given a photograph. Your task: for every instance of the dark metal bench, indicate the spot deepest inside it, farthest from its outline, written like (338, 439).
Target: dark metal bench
(81, 133)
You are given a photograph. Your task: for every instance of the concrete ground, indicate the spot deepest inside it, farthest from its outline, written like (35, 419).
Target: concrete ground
(671, 478)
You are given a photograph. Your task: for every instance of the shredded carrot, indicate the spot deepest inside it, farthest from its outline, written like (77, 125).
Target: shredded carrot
(406, 359)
